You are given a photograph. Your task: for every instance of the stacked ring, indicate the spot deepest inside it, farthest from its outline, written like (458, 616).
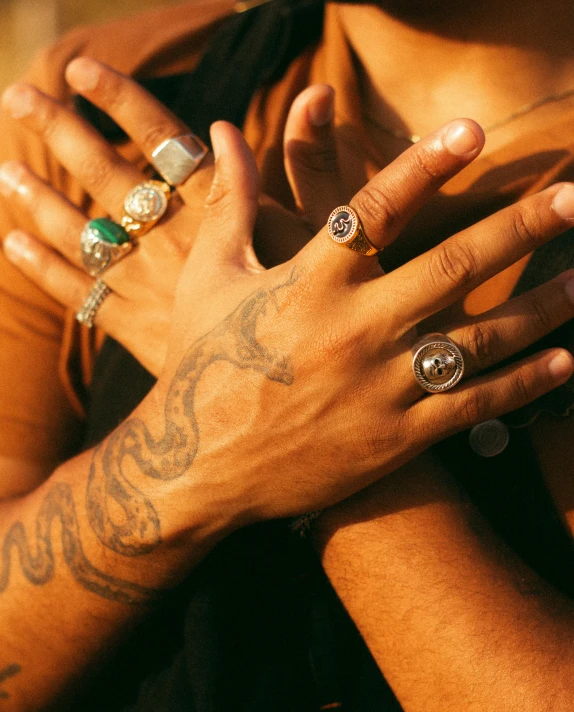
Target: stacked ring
(345, 228)
(92, 303)
(177, 158)
(102, 244)
(144, 206)
(438, 364)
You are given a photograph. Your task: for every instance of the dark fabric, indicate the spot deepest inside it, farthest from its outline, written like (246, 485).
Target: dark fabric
(257, 628)
(250, 49)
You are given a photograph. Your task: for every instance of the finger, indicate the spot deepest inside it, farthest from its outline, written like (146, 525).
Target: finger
(449, 271)
(389, 200)
(311, 161)
(226, 233)
(57, 277)
(56, 220)
(508, 329)
(79, 148)
(491, 396)
(145, 120)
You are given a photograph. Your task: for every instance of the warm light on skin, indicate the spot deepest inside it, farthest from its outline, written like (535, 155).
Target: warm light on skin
(482, 61)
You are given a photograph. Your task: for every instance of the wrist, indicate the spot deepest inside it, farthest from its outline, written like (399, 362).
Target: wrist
(195, 509)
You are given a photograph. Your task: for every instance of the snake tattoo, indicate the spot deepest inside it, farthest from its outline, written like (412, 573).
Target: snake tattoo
(166, 458)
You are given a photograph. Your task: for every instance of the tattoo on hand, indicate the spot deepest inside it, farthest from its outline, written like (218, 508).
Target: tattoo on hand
(171, 456)
(6, 674)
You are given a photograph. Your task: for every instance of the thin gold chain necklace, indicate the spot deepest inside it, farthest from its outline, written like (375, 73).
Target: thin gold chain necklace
(526, 109)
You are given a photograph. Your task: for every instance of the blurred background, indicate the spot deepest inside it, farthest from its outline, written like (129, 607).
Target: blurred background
(27, 25)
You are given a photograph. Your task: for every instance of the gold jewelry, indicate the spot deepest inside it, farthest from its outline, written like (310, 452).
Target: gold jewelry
(526, 109)
(144, 206)
(345, 228)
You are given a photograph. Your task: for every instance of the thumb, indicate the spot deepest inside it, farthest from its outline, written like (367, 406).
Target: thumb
(226, 232)
(310, 151)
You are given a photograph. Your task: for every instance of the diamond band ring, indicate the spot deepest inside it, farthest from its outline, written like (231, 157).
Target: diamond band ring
(92, 303)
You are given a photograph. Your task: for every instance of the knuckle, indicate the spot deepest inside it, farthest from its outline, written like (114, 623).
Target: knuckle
(152, 136)
(425, 162)
(474, 407)
(219, 193)
(96, 172)
(526, 226)
(376, 208)
(313, 159)
(112, 92)
(48, 115)
(453, 263)
(481, 341)
(542, 315)
(522, 388)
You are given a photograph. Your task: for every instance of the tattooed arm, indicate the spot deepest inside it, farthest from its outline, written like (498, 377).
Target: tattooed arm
(72, 573)
(278, 396)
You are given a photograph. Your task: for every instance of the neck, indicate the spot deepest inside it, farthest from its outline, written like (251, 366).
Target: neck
(421, 66)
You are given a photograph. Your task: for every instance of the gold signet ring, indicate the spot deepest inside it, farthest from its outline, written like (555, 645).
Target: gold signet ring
(345, 228)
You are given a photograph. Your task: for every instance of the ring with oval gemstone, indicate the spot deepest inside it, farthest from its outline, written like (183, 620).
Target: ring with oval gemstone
(345, 228)
(103, 243)
(438, 364)
(144, 206)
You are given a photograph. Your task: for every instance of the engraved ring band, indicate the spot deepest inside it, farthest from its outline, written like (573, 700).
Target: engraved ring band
(94, 300)
(438, 364)
(345, 228)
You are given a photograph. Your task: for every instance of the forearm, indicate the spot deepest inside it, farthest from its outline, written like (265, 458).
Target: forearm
(83, 558)
(454, 620)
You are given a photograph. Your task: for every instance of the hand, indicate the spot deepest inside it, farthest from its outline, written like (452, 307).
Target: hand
(138, 312)
(292, 388)
(485, 340)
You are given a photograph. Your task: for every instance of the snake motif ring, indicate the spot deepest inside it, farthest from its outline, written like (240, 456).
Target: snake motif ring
(345, 228)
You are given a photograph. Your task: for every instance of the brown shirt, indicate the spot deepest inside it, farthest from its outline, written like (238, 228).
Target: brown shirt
(45, 353)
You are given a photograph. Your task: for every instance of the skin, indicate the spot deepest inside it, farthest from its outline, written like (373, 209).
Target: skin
(136, 513)
(510, 53)
(409, 696)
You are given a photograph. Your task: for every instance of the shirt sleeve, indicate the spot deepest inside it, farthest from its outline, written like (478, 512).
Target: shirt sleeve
(40, 414)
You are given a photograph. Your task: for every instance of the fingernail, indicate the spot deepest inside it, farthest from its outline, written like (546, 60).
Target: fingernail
(321, 111)
(18, 100)
(83, 74)
(10, 178)
(17, 247)
(215, 141)
(563, 202)
(561, 365)
(460, 140)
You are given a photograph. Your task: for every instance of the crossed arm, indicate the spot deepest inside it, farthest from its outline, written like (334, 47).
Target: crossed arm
(113, 527)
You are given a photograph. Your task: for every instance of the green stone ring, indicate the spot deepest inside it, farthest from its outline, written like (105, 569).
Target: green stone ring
(103, 243)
